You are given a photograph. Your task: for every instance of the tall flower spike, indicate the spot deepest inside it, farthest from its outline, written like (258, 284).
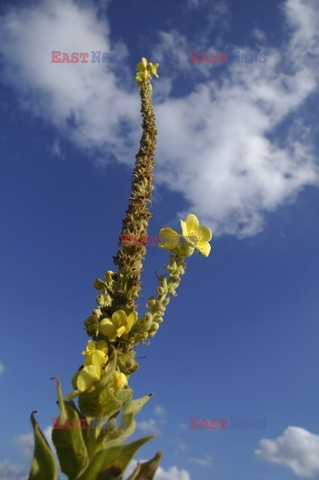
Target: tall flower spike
(101, 384)
(129, 259)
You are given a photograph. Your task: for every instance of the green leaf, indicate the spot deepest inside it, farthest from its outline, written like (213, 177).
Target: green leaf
(68, 440)
(127, 425)
(43, 466)
(110, 463)
(146, 470)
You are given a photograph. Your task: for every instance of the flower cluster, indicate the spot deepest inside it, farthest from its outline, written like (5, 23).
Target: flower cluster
(120, 323)
(145, 71)
(94, 366)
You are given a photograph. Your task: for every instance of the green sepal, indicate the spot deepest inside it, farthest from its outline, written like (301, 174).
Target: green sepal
(127, 364)
(127, 424)
(111, 463)
(68, 440)
(43, 465)
(146, 470)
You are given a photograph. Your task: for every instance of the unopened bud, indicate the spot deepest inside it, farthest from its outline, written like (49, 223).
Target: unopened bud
(99, 284)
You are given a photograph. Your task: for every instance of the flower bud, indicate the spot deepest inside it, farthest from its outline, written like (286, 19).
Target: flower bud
(92, 325)
(99, 284)
(119, 381)
(161, 291)
(97, 312)
(154, 327)
(109, 275)
(147, 321)
(127, 364)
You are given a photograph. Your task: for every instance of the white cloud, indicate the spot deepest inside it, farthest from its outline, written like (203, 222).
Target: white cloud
(204, 461)
(87, 102)
(25, 443)
(56, 149)
(179, 446)
(2, 368)
(217, 145)
(12, 472)
(172, 473)
(160, 411)
(149, 426)
(297, 449)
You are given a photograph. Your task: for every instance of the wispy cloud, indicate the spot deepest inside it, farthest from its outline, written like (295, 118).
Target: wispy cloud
(182, 426)
(160, 413)
(229, 146)
(56, 149)
(2, 368)
(204, 461)
(149, 426)
(12, 472)
(179, 446)
(25, 443)
(297, 449)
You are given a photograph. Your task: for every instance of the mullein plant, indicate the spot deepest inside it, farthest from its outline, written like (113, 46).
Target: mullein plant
(97, 418)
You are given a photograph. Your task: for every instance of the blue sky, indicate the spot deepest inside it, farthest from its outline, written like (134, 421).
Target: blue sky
(237, 146)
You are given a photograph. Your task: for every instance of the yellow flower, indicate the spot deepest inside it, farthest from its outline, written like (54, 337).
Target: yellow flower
(87, 377)
(145, 71)
(193, 236)
(119, 324)
(119, 381)
(142, 65)
(96, 353)
(97, 357)
(170, 239)
(152, 68)
(198, 236)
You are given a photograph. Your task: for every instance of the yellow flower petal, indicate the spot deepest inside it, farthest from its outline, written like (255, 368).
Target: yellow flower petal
(153, 68)
(131, 319)
(119, 317)
(96, 358)
(205, 233)
(106, 327)
(120, 331)
(184, 228)
(102, 345)
(203, 247)
(169, 238)
(142, 65)
(87, 376)
(192, 223)
(90, 347)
